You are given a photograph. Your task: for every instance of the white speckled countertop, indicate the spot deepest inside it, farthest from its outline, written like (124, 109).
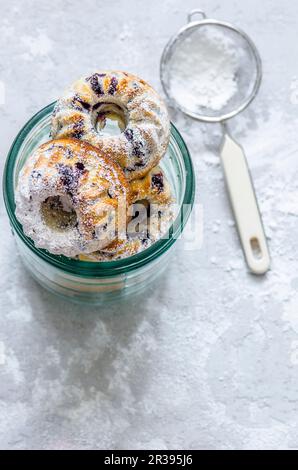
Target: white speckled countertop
(209, 359)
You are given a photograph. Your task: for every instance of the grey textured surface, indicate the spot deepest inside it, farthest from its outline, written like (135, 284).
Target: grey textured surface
(209, 358)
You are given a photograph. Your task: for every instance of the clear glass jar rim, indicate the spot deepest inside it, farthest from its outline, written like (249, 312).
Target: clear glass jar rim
(103, 268)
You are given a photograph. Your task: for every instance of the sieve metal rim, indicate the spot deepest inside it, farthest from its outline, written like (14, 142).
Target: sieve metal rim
(196, 24)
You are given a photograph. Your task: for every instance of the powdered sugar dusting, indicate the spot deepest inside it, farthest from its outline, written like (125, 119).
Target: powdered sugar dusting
(71, 178)
(207, 359)
(147, 129)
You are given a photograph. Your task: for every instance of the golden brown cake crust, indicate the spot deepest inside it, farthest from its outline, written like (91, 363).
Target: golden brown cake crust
(151, 193)
(89, 183)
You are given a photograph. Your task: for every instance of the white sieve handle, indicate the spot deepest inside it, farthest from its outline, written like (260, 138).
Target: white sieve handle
(245, 206)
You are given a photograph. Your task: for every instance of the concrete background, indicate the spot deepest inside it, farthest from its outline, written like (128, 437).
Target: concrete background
(209, 359)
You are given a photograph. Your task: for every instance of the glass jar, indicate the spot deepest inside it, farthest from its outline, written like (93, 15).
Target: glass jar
(97, 282)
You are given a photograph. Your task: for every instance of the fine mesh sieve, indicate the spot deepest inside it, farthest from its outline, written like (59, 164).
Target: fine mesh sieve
(211, 71)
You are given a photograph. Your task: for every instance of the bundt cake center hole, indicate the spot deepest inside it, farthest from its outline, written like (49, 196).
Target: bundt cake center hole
(58, 213)
(109, 119)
